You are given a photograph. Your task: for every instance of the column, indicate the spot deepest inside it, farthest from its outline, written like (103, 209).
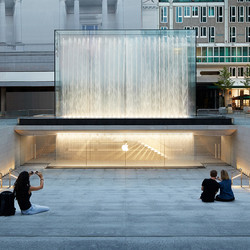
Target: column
(62, 14)
(77, 14)
(104, 14)
(171, 15)
(119, 14)
(226, 21)
(18, 21)
(2, 22)
(3, 100)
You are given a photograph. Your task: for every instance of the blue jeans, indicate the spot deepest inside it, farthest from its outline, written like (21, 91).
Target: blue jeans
(35, 209)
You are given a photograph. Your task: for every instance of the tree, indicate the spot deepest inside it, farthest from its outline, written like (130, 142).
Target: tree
(246, 81)
(224, 82)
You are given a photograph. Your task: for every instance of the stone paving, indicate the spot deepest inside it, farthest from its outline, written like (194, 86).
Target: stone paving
(128, 209)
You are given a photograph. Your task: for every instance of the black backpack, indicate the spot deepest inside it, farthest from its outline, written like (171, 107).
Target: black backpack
(7, 204)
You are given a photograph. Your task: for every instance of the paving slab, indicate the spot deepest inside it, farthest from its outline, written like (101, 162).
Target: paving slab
(128, 209)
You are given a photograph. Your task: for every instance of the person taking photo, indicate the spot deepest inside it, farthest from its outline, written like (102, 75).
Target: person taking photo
(23, 191)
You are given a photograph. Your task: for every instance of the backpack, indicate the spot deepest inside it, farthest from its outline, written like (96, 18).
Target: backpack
(7, 204)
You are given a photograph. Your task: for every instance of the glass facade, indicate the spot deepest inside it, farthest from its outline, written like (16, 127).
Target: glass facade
(222, 54)
(125, 74)
(131, 149)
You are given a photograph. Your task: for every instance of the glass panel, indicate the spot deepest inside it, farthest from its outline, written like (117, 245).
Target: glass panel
(216, 50)
(239, 59)
(222, 59)
(198, 51)
(124, 149)
(198, 59)
(244, 51)
(210, 51)
(227, 51)
(106, 74)
(221, 51)
(239, 51)
(204, 51)
(233, 51)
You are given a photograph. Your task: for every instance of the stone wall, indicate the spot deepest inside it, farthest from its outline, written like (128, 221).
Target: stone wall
(9, 149)
(241, 148)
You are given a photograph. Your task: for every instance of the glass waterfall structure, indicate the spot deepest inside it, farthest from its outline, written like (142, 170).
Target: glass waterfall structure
(125, 74)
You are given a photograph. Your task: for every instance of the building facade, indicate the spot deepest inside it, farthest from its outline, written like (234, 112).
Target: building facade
(27, 42)
(222, 31)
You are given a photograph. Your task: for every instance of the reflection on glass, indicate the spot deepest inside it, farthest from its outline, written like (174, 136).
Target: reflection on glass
(128, 149)
(124, 74)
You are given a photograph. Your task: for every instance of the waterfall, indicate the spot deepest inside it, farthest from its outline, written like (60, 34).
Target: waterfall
(125, 74)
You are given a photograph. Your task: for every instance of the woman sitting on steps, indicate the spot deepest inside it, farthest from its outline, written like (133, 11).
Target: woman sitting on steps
(22, 192)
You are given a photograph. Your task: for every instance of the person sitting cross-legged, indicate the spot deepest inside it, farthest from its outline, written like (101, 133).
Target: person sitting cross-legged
(209, 187)
(226, 192)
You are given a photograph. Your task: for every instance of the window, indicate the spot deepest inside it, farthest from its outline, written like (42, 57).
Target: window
(248, 34)
(219, 18)
(187, 12)
(164, 27)
(90, 27)
(232, 34)
(196, 31)
(203, 14)
(248, 14)
(211, 11)
(179, 14)
(224, 55)
(232, 71)
(240, 14)
(164, 14)
(211, 34)
(203, 31)
(216, 54)
(195, 12)
(240, 72)
(232, 14)
(240, 1)
(187, 28)
(239, 54)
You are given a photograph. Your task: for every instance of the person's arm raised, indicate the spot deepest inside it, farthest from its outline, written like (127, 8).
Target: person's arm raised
(41, 183)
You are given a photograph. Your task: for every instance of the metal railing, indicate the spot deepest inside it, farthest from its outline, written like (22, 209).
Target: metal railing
(240, 175)
(9, 175)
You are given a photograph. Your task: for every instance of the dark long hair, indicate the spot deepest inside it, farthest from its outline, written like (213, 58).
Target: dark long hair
(22, 185)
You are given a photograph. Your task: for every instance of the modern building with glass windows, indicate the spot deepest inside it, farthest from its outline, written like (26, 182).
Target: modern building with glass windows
(28, 72)
(223, 36)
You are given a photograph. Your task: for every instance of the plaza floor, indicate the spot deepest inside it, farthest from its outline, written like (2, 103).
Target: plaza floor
(128, 209)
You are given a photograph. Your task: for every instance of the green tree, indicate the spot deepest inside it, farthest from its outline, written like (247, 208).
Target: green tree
(224, 82)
